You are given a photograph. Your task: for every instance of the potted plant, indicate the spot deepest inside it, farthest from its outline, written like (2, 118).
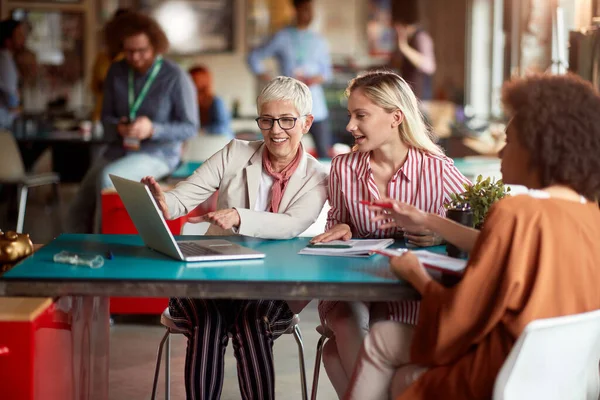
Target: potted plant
(470, 207)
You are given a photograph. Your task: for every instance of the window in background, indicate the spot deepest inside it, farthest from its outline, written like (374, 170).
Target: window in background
(265, 17)
(195, 26)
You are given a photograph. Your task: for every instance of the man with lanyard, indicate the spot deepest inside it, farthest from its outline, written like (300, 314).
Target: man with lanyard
(302, 54)
(149, 109)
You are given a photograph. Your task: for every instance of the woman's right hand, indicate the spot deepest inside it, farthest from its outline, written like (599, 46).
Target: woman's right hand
(405, 216)
(338, 232)
(158, 195)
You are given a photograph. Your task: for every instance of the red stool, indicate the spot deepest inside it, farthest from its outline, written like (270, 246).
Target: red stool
(115, 219)
(36, 350)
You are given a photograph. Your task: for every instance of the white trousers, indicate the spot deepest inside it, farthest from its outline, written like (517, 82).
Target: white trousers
(382, 370)
(350, 323)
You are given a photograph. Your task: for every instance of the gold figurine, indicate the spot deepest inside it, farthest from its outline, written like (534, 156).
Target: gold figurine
(13, 248)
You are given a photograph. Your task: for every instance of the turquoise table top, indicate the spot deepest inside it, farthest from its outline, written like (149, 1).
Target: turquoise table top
(135, 270)
(186, 169)
(473, 166)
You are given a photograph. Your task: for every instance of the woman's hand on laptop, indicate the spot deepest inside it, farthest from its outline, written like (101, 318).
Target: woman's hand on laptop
(158, 194)
(225, 219)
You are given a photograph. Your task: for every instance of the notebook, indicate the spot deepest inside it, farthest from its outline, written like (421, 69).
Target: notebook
(347, 248)
(434, 261)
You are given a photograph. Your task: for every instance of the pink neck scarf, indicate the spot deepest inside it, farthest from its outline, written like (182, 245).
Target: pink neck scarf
(280, 179)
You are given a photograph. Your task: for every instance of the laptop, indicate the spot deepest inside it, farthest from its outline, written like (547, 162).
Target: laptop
(152, 227)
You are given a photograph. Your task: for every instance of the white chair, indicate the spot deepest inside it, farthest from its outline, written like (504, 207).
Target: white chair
(202, 146)
(12, 172)
(167, 322)
(554, 358)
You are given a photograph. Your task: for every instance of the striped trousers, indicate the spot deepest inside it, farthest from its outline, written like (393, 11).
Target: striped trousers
(253, 326)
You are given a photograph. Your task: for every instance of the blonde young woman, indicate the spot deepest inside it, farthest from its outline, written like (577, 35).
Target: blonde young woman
(394, 157)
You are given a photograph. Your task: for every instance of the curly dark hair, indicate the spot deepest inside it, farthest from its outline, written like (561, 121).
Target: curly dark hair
(557, 119)
(405, 12)
(133, 23)
(7, 30)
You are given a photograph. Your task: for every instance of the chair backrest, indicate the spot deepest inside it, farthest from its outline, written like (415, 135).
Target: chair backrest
(554, 358)
(202, 146)
(11, 163)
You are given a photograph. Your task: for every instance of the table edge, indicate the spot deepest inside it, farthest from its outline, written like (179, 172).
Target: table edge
(213, 289)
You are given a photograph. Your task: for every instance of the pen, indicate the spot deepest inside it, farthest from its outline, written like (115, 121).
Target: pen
(329, 246)
(109, 255)
(391, 253)
(370, 203)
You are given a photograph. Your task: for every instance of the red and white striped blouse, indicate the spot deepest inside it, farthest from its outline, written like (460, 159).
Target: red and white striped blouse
(424, 181)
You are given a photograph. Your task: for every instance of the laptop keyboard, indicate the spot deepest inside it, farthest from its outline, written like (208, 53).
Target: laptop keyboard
(194, 249)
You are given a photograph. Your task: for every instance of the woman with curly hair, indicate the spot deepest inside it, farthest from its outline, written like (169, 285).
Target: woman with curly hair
(536, 256)
(104, 59)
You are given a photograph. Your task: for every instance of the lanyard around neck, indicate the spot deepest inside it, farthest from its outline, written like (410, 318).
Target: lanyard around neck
(135, 103)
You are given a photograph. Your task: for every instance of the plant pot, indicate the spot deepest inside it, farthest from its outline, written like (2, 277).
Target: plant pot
(463, 217)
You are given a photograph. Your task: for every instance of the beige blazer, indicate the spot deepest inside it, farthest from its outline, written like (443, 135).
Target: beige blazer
(236, 172)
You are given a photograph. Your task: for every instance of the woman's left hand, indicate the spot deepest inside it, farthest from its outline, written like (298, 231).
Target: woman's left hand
(423, 238)
(409, 268)
(225, 219)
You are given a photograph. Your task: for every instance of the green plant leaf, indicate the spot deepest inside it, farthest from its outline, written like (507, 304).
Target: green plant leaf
(481, 196)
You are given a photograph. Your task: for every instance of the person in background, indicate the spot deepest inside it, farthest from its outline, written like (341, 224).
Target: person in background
(215, 118)
(394, 157)
(536, 256)
(271, 189)
(12, 40)
(12, 43)
(304, 55)
(149, 110)
(102, 63)
(414, 58)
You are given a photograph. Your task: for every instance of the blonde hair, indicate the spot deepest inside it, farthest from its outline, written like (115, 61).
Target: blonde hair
(284, 88)
(390, 92)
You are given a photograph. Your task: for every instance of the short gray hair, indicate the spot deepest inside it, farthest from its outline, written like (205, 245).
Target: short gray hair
(284, 88)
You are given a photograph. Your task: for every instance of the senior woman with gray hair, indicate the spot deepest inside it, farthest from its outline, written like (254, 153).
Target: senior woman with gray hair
(269, 189)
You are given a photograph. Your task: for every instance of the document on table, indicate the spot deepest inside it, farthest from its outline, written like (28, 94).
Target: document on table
(440, 262)
(347, 248)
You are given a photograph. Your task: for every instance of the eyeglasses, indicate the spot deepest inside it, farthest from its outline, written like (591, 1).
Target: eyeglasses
(285, 123)
(132, 52)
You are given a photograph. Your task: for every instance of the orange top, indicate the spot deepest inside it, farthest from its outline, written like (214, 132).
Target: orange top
(535, 258)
